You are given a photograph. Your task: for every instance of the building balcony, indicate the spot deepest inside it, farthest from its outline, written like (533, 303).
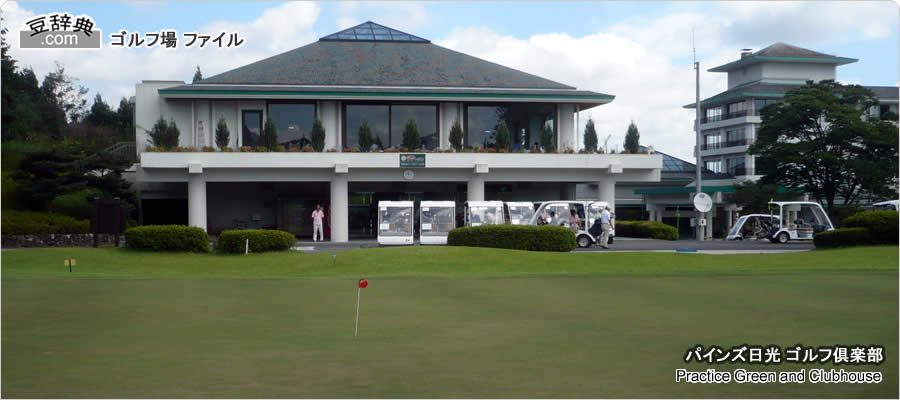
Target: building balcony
(723, 117)
(723, 145)
(741, 171)
(729, 119)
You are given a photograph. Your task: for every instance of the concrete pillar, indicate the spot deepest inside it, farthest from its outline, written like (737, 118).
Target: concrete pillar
(606, 191)
(730, 215)
(339, 208)
(197, 200)
(475, 187)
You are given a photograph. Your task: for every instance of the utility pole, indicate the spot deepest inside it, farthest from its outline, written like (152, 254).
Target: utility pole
(699, 229)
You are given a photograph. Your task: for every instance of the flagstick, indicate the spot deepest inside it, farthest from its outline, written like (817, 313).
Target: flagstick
(356, 329)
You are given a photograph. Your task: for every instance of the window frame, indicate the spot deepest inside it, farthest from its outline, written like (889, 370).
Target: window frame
(389, 104)
(465, 121)
(315, 105)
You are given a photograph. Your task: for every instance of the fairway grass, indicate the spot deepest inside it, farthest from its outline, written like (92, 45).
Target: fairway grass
(434, 322)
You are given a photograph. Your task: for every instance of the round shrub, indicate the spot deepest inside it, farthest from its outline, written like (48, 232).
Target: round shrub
(882, 225)
(167, 238)
(842, 237)
(75, 205)
(41, 223)
(517, 237)
(261, 240)
(646, 229)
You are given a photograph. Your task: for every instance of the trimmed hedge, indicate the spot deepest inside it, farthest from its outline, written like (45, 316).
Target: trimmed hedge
(517, 237)
(41, 223)
(261, 240)
(842, 237)
(646, 229)
(167, 237)
(882, 225)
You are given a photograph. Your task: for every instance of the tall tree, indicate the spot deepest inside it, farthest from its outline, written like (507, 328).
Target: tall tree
(456, 136)
(317, 133)
(269, 137)
(126, 120)
(411, 139)
(365, 137)
(547, 139)
(590, 136)
(816, 139)
(198, 76)
(60, 89)
(101, 114)
(222, 134)
(501, 138)
(632, 139)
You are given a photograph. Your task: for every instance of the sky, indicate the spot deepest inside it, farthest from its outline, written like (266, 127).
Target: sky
(639, 51)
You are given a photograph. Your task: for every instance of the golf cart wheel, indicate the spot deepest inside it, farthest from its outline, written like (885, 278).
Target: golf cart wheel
(611, 239)
(783, 237)
(583, 241)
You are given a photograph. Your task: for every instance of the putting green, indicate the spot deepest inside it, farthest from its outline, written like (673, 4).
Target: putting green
(500, 324)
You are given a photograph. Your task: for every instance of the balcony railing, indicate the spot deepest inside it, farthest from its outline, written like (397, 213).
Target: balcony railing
(723, 117)
(722, 145)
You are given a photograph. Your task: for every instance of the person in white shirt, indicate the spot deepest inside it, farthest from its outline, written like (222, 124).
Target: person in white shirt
(604, 227)
(318, 215)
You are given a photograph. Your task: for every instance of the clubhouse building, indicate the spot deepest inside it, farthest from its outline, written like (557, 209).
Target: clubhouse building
(373, 75)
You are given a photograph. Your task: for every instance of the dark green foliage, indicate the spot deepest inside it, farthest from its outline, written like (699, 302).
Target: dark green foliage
(516, 237)
(547, 142)
(76, 205)
(882, 224)
(501, 138)
(269, 137)
(818, 140)
(164, 135)
(842, 237)
(261, 240)
(318, 135)
(632, 139)
(125, 116)
(167, 238)
(590, 136)
(45, 174)
(41, 223)
(838, 214)
(101, 114)
(222, 134)
(456, 136)
(411, 138)
(365, 137)
(754, 196)
(646, 229)
(198, 76)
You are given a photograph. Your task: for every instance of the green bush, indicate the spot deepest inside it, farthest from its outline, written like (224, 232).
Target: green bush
(646, 229)
(41, 223)
(167, 237)
(261, 240)
(517, 237)
(842, 237)
(882, 225)
(76, 205)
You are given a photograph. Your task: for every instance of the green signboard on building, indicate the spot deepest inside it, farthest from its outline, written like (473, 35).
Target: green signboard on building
(412, 160)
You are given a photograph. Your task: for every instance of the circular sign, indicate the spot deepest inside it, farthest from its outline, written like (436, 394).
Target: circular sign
(402, 158)
(702, 202)
(363, 283)
(409, 175)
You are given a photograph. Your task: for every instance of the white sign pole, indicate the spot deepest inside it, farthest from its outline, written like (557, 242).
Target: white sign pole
(247, 246)
(356, 329)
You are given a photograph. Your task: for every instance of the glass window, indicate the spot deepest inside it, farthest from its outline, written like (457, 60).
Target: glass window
(252, 127)
(734, 136)
(734, 108)
(520, 215)
(714, 166)
(426, 120)
(735, 165)
(759, 104)
(482, 122)
(713, 113)
(395, 221)
(375, 115)
(294, 122)
(438, 221)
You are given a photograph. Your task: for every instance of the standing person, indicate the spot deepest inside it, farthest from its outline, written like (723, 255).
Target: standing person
(604, 227)
(574, 221)
(318, 215)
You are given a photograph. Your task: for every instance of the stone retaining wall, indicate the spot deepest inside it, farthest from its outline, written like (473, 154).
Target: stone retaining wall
(58, 240)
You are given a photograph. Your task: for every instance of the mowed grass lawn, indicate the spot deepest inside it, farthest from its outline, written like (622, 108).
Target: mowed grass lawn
(434, 322)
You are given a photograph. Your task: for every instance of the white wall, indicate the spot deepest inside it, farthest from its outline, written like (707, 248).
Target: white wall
(329, 113)
(747, 74)
(449, 113)
(566, 132)
(798, 71)
(149, 107)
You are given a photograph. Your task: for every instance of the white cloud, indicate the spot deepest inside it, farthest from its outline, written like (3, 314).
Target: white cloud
(113, 71)
(646, 62)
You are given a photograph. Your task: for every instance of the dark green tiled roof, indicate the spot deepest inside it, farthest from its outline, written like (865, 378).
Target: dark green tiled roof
(345, 62)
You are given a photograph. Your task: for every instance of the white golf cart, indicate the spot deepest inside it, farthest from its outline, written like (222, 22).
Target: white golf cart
(887, 205)
(797, 220)
(519, 213)
(587, 211)
(484, 213)
(395, 223)
(436, 219)
(752, 227)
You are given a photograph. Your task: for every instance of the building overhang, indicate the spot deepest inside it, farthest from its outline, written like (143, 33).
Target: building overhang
(382, 93)
(749, 60)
